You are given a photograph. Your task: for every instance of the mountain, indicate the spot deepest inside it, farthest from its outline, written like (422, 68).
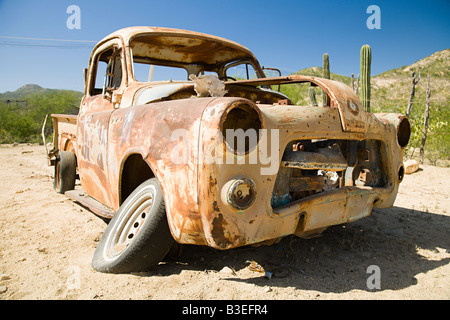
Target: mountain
(393, 87)
(22, 91)
(32, 89)
(437, 65)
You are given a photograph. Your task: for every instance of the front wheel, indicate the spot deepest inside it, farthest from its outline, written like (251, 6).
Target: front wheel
(138, 236)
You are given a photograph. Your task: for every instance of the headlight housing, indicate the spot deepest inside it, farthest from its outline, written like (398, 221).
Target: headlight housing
(401, 124)
(240, 125)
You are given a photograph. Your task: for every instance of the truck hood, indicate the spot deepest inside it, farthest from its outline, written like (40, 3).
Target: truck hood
(341, 97)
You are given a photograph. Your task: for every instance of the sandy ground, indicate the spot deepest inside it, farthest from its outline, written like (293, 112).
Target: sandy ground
(47, 242)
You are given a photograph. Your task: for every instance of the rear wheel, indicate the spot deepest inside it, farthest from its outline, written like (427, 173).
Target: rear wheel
(138, 236)
(65, 171)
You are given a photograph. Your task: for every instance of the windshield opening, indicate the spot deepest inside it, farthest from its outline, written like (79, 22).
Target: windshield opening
(149, 72)
(157, 57)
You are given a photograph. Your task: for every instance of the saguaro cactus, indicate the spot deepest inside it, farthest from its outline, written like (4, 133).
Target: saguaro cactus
(312, 96)
(326, 75)
(366, 59)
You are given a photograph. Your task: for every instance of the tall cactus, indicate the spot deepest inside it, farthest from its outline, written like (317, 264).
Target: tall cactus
(312, 96)
(326, 75)
(366, 59)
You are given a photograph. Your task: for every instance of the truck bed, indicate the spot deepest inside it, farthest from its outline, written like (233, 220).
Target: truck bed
(64, 135)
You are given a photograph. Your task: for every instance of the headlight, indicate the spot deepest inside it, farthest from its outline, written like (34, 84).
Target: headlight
(239, 193)
(240, 125)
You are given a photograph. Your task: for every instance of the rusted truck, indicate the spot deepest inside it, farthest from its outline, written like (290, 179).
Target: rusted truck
(215, 154)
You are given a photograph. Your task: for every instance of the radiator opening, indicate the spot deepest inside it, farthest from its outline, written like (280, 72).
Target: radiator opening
(309, 167)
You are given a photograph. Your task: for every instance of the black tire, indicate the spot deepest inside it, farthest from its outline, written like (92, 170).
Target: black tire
(65, 171)
(138, 236)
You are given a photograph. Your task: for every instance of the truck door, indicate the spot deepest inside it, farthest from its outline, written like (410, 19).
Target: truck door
(103, 83)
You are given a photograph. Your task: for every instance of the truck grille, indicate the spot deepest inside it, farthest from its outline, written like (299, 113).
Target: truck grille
(314, 166)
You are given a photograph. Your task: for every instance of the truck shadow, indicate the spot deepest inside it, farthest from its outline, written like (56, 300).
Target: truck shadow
(402, 242)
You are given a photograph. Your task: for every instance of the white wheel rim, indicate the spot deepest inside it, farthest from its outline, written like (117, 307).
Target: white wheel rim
(132, 218)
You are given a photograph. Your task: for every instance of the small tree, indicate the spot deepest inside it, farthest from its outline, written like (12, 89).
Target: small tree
(325, 75)
(414, 81)
(425, 124)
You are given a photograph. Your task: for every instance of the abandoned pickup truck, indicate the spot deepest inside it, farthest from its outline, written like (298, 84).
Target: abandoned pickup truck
(215, 155)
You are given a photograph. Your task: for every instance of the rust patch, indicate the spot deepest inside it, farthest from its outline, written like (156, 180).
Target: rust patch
(212, 182)
(218, 232)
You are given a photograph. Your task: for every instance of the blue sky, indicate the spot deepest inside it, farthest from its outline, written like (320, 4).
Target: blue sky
(288, 34)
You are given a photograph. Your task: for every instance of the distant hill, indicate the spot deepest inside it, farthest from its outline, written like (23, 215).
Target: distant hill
(393, 87)
(437, 65)
(22, 112)
(22, 92)
(32, 89)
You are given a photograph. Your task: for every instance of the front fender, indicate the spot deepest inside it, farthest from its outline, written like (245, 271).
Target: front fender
(157, 132)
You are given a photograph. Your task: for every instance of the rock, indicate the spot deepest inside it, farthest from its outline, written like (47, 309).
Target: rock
(4, 277)
(23, 190)
(267, 289)
(3, 289)
(227, 270)
(411, 166)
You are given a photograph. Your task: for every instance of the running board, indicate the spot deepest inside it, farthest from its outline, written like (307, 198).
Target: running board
(87, 201)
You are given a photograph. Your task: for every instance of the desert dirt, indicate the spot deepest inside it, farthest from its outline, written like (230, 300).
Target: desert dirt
(47, 242)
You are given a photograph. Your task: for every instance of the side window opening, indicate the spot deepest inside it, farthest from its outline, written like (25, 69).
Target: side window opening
(99, 78)
(108, 74)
